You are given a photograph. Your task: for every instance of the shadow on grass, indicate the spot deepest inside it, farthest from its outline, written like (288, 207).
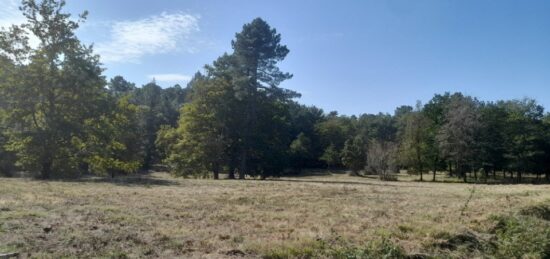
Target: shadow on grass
(344, 182)
(315, 172)
(137, 180)
(489, 182)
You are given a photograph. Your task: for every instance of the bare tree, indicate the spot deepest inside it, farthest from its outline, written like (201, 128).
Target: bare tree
(381, 159)
(457, 136)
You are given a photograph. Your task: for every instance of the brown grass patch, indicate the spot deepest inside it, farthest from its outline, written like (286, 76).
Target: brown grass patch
(160, 216)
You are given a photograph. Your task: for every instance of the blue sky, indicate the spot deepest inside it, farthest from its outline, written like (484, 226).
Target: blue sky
(349, 56)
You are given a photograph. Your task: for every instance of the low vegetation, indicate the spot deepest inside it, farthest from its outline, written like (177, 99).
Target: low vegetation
(332, 216)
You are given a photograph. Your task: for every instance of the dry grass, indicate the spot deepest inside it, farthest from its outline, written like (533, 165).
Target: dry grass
(160, 216)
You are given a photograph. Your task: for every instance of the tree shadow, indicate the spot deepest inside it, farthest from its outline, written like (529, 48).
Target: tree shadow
(490, 181)
(137, 180)
(344, 182)
(316, 172)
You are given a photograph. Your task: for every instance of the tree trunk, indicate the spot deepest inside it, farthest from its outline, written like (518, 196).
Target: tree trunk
(244, 164)
(462, 172)
(421, 178)
(46, 170)
(231, 174)
(113, 174)
(433, 179)
(435, 167)
(216, 174)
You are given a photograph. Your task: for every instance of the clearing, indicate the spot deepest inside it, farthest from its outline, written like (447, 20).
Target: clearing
(157, 215)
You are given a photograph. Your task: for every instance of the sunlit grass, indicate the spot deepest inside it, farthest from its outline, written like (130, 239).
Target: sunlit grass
(164, 216)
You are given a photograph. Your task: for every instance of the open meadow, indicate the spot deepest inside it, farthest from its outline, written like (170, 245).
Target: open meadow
(333, 216)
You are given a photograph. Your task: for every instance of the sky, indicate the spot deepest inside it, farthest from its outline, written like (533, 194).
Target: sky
(350, 56)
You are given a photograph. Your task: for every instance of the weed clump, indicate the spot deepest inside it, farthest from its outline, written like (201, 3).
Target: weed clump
(541, 211)
(380, 248)
(521, 236)
(525, 234)
(468, 240)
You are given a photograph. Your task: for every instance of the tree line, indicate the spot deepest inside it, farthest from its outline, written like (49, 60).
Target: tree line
(60, 116)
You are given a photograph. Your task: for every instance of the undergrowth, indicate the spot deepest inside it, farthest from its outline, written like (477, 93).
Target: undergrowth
(524, 234)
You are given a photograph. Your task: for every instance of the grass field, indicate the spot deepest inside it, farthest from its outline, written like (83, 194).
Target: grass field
(316, 216)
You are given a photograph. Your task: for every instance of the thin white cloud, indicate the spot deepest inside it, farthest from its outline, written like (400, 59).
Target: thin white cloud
(10, 14)
(170, 77)
(131, 40)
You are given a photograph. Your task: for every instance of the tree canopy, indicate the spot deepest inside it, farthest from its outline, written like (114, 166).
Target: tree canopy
(60, 116)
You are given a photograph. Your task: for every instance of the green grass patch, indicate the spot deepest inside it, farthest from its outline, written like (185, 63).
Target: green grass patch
(521, 237)
(380, 248)
(525, 234)
(4, 249)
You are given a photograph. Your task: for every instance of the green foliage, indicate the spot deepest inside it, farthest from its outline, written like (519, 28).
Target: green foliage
(57, 116)
(523, 134)
(198, 145)
(331, 156)
(110, 144)
(256, 52)
(237, 115)
(55, 109)
(381, 127)
(354, 154)
(414, 142)
(51, 89)
(333, 132)
(118, 86)
(306, 148)
(301, 146)
(157, 107)
(7, 159)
